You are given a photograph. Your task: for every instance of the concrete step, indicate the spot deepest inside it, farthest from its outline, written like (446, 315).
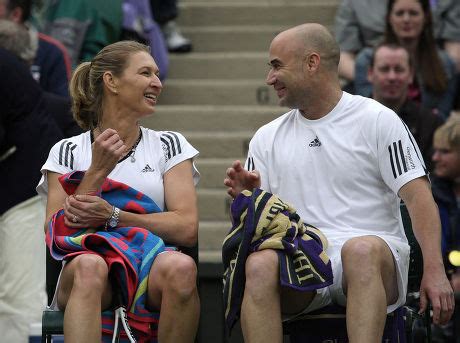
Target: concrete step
(218, 92)
(213, 204)
(211, 117)
(213, 171)
(220, 144)
(256, 13)
(212, 233)
(219, 65)
(234, 38)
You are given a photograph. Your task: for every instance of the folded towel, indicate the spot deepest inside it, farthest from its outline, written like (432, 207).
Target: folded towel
(261, 220)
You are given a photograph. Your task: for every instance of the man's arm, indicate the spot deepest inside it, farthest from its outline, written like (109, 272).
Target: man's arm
(424, 215)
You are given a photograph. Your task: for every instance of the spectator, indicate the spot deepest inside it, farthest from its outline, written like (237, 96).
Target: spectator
(27, 132)
(358, 24)
(110, 95)
(342, 161)
(83, 26)
(361, 23)
(51, 63)
(165, 12)
(409, 23)
(138, 24)
(390, 74)
(446, 192)
(16, 39)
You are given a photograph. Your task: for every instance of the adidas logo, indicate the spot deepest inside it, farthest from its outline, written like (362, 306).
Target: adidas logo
(315, 142)
(147, 169)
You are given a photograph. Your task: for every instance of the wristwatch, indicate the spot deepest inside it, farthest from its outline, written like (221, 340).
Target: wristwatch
(114, 218)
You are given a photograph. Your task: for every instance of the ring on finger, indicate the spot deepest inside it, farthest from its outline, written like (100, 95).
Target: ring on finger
(75, 219)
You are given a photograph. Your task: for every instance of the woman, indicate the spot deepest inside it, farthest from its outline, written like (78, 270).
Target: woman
(409, 23)
(110, 95)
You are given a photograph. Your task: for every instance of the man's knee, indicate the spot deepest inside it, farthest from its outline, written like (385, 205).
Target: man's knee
(262, 270)
(363, 254)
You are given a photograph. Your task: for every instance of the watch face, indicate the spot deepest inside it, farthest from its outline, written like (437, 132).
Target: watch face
(113, 222)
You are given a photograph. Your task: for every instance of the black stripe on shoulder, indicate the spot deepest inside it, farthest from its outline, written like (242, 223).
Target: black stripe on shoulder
(414, 146)
(179, 149)
(166, 147)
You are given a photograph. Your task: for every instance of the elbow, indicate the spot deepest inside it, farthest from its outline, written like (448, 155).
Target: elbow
(190, 238)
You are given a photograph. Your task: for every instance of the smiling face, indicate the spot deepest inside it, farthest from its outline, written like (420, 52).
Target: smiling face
(139, 86)
(407, 19)
(286, 73)
(390, 75)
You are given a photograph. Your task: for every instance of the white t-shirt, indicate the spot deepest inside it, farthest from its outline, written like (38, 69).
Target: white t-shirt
(156, 153)
(341, 172)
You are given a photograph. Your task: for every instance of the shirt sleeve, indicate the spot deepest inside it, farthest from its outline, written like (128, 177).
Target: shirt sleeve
(257, 155)
(177, 149)
(60, 160)
(400, 159)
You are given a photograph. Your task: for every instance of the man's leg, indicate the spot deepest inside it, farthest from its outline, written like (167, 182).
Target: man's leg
(369, 281)
(261, 308)
(172, 290)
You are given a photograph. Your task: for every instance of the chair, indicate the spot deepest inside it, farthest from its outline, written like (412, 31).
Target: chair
(403, 325)
(52, 320)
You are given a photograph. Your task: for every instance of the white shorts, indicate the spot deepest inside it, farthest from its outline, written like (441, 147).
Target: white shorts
(334, 293)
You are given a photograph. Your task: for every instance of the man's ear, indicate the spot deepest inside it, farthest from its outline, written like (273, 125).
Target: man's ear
(312, 61)
(110, 82)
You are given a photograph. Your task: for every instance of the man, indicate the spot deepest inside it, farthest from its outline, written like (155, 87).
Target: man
(27, 132)
(50, 65)
(342, 161)
(390, 73)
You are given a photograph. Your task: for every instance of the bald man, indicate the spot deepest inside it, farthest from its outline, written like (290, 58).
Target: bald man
(344, 162)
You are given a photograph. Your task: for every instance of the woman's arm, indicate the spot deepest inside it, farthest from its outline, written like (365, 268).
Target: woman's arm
(179, 224)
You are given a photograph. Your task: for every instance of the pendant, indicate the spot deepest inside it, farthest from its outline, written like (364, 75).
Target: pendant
(133, 159)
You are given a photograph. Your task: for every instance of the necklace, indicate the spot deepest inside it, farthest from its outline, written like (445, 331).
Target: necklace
(132, 151)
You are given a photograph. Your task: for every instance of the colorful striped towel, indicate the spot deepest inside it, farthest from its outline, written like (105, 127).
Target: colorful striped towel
(128, 251)
(263, 221)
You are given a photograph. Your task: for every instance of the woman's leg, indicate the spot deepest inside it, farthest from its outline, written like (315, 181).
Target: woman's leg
(172, 289)
(83, 292)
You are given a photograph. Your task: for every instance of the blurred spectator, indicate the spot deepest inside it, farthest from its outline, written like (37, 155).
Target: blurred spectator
(50, 62)
(16, 39)
(361, 23)
(358, 24)
(27, 132)
(409, 23)
(83, 26)
(165, 12)
(391, 73)
(138, 24)
(446, 192)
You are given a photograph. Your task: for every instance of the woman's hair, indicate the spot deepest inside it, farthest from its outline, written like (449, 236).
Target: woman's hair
(87, 84)
(448, 134)
(427, 60)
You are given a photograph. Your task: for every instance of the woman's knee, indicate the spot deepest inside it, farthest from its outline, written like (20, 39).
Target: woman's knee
(179, 275)
(90, 272)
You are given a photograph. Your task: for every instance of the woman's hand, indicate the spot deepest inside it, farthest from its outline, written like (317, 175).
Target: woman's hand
(107, 149)
(86, 211)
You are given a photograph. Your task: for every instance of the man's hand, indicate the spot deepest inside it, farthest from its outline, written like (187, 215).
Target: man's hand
(239, 179)
(435, 287)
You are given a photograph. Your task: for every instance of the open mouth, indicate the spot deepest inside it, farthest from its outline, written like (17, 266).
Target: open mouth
(151, 98)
